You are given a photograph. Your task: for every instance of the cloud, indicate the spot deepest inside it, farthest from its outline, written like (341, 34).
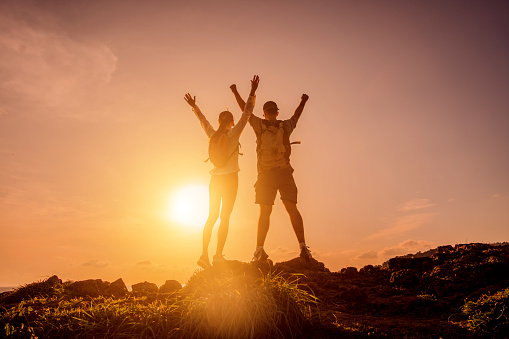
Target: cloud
(404, 224)
(43, 65)
(408, 219)
(150, 266)
(368, 255)
(415, 204)
(406, 247)
(282, 253)
(95, 263)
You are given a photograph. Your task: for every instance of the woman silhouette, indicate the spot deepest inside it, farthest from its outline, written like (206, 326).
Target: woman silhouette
(224, 180)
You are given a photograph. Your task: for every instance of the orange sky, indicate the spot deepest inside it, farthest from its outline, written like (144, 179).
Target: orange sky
(405, 141)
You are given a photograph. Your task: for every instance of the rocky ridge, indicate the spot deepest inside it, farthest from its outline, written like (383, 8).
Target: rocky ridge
(415, 296)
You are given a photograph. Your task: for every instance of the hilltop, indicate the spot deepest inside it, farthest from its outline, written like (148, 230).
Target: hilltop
(447, 292)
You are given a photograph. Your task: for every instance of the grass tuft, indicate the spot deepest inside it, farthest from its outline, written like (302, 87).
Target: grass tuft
(241, 306)
(489, 314)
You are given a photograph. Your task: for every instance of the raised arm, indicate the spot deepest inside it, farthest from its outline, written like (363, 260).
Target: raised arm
(207, 127)
(254, 86)
(300, 108)
(240, 101)
(248, 107)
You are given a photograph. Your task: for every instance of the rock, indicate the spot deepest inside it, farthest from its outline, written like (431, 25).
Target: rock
(367, 269)
(118, 288)
(43, 289)
(144, 288)
(404, 279)
(53, 281)
(89, 288)
(443, 288)
(349, 271)
(300, 265)
(170, 286)
(397, 263)
(353, 294)
(445, 249)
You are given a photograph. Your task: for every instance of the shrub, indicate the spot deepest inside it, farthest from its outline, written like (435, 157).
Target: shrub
(489, 314)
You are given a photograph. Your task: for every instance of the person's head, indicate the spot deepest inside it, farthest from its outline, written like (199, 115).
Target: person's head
(270, 110)
(225, 120)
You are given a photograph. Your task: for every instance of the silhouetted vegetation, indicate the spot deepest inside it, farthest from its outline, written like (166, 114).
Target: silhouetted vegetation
(460, 291)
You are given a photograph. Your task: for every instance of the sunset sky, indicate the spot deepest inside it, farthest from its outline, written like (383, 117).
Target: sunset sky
(404, 139)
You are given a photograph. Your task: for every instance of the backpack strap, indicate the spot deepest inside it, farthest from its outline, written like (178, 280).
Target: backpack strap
(237, 149)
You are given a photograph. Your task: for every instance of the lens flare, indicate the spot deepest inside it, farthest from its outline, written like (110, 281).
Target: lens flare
(189, 206)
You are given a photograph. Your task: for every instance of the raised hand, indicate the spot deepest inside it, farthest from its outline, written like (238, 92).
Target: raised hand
(233, 88)
(304, 98)
(254, 84)
(190, 100)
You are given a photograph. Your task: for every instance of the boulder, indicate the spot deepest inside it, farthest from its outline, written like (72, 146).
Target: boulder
(300, 265)
(118, 288)
(53, 281)
(170, 286)
(353, 294)
(89, 288)
(404, 279)
(367, 269)
(144, 288)
(349, 271)
(398, 263)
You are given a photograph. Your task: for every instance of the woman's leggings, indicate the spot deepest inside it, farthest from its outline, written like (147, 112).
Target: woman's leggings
(222, 195)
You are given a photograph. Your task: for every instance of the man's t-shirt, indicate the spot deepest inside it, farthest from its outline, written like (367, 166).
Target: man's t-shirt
(265, 163)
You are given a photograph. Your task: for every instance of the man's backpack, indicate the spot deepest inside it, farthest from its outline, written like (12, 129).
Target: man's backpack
(218, 150)
(273, 146)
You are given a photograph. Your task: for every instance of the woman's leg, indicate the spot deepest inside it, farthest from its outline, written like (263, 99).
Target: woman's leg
(214, 206)
(229, 195)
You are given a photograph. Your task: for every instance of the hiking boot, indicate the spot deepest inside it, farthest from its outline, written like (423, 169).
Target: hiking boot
(218, 259)
(259, 255)
(305, 253)
(203, 262)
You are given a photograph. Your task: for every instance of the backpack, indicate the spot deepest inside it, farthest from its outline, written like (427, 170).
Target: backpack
(273, 146)
(218, 150)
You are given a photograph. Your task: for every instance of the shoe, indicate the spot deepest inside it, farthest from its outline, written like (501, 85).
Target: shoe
(218, 259)
(203, 262)
(259, 255)
(305, 253)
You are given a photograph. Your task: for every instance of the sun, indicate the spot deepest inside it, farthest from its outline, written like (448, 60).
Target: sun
(189, 206)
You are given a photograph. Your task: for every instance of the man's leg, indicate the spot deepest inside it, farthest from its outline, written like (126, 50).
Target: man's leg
(296, 220)
(265, 194)
(263, 224)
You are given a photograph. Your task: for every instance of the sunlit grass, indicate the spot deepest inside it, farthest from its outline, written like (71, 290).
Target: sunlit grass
(489, 314)
(101, 317)
(213, 305)
(238, 306)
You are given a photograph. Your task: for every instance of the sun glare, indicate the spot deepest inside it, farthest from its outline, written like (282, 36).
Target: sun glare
(189, 206)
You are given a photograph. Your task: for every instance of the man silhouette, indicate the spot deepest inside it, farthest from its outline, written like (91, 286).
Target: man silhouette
(274, 171)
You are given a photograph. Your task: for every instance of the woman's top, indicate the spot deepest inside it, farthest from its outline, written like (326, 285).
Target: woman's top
(233, 136)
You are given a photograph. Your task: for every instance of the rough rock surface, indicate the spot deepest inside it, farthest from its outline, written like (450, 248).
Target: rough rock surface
(144, 288)
(170, 286)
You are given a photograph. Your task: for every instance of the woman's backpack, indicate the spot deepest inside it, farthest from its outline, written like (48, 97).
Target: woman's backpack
(218, 150)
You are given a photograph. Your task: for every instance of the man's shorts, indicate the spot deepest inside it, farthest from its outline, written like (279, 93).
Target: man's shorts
(269, 182)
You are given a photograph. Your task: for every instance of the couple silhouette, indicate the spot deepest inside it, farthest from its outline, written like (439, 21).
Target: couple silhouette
(274, 171)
